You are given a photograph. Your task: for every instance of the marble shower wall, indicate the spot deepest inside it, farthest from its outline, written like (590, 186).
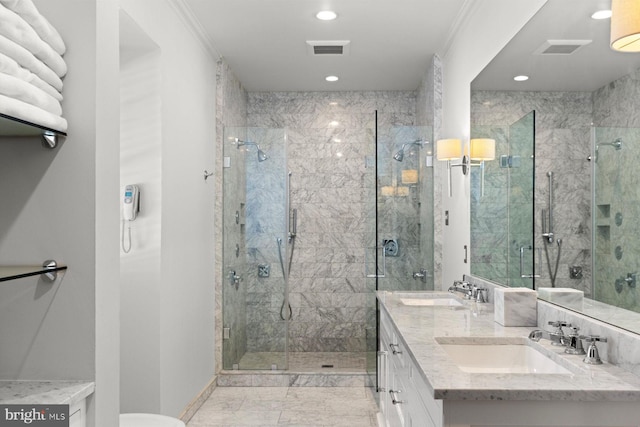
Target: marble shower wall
(617, 115)
(330, 142)
(563, 123)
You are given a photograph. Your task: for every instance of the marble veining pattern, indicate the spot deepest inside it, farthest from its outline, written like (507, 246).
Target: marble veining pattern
(419, 326)
(279, 406)
(562, 127)
(329, 136)
(44, 392)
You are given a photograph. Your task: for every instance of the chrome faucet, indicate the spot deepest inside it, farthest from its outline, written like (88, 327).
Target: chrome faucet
(556, 337)
(469, 291)
(462, 287)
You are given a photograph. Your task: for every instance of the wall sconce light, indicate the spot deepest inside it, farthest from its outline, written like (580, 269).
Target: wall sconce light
(410, 176)
(448, 150)
(482, 149)
(625, 25)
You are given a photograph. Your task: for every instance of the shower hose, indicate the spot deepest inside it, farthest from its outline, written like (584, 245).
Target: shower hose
(554, 274)
(285, 276)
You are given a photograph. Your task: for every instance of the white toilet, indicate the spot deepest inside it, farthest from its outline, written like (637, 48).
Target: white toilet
(149, 420)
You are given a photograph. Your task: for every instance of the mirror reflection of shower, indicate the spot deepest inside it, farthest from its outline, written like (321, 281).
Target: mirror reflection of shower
(262, 156)
(399, 155)
(549, 236)
(617, 144)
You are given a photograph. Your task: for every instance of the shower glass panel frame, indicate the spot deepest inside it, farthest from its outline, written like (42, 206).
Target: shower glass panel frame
(255, 222)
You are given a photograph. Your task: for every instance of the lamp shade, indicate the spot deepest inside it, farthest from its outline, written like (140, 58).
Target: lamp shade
(448, 149)
(483, 149)
(625, 25)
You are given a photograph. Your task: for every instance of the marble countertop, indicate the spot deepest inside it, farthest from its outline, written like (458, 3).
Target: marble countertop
(44, 392)
(419, 326)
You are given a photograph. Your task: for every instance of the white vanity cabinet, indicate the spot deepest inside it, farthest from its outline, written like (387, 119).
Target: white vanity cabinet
(404, 401)
(420, 384)
(78, 414)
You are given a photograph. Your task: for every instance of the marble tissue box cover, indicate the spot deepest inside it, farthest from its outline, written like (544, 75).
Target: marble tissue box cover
(567, 297)
(516, 306)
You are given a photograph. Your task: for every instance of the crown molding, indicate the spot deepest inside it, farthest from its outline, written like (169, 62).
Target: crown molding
(184, 11)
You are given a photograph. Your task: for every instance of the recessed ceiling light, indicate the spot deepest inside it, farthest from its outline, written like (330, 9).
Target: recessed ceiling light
(326, 15)
(601, 14)
(331, 78)
(521, 78)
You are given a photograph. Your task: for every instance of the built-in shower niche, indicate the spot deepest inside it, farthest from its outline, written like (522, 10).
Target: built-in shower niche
(603, 229)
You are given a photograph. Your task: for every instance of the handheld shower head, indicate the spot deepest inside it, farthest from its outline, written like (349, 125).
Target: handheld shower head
(262, 156)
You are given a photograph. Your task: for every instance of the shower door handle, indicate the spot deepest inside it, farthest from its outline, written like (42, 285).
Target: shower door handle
(384, 265)
(522, 275)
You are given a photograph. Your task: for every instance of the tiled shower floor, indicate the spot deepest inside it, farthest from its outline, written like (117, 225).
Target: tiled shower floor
(354, 362)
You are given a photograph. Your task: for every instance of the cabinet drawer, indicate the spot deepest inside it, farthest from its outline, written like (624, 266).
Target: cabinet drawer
(432, 406)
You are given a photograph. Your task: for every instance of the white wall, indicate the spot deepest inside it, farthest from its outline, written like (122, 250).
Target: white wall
(67, 209)
(170, 295)
(486, 28)
(140, 268)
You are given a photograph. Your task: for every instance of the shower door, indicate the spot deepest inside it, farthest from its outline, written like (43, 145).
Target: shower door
(404, 206)
(255, 224)
(399, 197)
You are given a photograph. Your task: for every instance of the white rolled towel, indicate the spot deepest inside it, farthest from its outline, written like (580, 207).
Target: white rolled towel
(19, 31)
(30, 113)
(26, 59)
(47, 32)
(23, 91)
(12, 68)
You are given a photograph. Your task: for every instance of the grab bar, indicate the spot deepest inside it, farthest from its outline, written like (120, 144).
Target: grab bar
(528, 276)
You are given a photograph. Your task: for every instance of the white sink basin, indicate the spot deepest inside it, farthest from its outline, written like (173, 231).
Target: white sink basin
(498, 357)
(452, 302)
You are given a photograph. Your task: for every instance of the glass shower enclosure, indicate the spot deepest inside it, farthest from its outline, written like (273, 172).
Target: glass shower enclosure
(255, 249)
(303, 299)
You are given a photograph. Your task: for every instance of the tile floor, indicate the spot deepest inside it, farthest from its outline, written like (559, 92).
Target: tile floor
(306, 361)
(287, 406)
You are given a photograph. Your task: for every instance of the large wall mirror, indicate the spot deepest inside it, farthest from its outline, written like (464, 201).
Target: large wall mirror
(561, 211)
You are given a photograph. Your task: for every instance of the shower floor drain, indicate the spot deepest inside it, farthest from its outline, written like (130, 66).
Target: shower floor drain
(327, 366)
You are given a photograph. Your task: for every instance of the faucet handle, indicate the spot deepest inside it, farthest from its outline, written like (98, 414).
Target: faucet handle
(592, 357)
(559, 324)
(593, 338)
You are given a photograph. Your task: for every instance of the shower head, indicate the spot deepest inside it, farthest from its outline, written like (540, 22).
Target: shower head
(399, 156)
(262, 156)
(617, 144)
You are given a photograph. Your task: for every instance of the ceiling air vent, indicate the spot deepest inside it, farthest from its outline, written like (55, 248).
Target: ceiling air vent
(328, 47)
(560, 47)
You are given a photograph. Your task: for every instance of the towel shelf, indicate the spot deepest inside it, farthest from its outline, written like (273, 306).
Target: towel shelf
(48, 270)
(12, 126)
